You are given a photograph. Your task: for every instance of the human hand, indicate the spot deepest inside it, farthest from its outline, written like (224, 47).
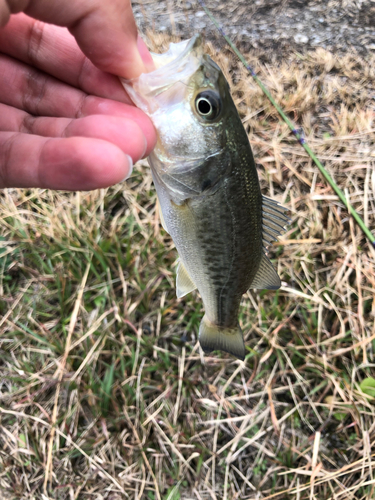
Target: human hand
(65, 120)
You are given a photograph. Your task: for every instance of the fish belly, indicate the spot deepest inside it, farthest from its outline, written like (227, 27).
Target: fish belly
(219, 240)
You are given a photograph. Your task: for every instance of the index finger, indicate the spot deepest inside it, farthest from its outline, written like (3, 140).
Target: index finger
(105, 31)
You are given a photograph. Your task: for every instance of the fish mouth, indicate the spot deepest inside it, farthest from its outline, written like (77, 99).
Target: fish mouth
(178, 64)
(175, 55)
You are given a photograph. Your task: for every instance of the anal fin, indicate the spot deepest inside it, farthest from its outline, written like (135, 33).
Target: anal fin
(184, 284)
(266, 277)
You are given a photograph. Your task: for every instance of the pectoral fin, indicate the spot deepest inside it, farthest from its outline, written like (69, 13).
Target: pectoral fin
(266, 277)
(213, 337)
(161, 216)
(184, 284)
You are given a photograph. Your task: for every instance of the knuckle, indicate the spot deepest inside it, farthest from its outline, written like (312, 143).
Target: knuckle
(35, 82)
(35, 41)
(35, 89)
(5, 159)
(82, 71)
(80, 111)
(27, 124)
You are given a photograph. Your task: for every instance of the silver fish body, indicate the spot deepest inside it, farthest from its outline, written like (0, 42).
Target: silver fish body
(208, 189)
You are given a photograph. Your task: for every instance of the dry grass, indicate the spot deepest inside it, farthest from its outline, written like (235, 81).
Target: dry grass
(103, 390)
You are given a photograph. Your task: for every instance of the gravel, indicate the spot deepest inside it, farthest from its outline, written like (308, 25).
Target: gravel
(274, 27)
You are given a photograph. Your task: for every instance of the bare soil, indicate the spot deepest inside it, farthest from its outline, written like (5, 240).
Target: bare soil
(276, 27)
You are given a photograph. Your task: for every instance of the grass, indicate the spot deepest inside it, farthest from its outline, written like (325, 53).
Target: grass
(104, 392)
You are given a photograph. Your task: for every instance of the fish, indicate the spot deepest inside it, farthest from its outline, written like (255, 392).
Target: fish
(208, 189)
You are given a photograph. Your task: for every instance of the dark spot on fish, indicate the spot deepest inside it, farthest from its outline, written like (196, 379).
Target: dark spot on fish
(206, 184)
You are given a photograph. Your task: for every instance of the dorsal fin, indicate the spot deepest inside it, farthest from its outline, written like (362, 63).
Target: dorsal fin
(266, 277)
(184, 284)
(274, 220)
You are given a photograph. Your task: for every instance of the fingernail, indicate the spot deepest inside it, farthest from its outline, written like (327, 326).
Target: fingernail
(145, 55)
(130, 167)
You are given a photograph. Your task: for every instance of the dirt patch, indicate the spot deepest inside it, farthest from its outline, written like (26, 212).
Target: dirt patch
(274, 27)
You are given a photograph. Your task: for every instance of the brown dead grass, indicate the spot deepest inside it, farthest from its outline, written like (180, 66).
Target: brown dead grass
(99, 398)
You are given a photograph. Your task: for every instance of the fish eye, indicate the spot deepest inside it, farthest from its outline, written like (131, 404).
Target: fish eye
(207, 104)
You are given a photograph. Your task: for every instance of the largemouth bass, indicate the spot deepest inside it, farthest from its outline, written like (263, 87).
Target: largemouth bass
(208, 189)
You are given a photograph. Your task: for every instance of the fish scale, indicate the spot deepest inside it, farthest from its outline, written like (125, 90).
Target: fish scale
(208, 189)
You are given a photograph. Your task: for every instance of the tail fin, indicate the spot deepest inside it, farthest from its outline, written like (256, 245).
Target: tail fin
(213, 337)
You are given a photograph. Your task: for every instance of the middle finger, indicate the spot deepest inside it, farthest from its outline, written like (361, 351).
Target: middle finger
(39, 94)
(121, 131)
(27, 88)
